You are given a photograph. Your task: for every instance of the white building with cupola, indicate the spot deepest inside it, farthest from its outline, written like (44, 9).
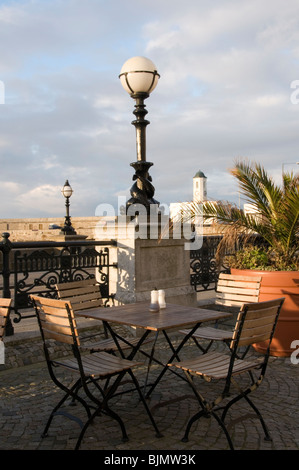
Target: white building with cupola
(200, 194)
(199, 187)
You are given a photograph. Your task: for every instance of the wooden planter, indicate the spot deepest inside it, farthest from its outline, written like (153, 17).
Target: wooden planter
(277, 284)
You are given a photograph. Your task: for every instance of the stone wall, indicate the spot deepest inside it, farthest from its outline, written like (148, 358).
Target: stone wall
(38, 229)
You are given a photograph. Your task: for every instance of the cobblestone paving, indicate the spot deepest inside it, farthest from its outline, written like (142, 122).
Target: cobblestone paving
(27, 396)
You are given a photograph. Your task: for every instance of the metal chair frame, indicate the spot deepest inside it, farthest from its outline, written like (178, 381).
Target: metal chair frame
(90, 369)
(232, 366)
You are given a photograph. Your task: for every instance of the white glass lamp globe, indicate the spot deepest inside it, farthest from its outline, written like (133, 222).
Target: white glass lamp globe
(67, 190)
(139, 75)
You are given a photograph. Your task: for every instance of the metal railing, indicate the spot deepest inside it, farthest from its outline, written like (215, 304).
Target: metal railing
(203, 269)
(36, 267)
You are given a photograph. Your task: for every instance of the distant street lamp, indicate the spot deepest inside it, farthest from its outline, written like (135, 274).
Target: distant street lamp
(139, 77)
(67, 191)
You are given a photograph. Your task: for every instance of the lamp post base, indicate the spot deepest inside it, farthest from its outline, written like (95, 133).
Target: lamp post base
(142, 191)
(68, 230)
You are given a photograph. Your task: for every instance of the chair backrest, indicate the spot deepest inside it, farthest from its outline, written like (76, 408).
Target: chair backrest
(5, 305)
(56, 320)
(256, 322)
(83, 294)
(234, 290)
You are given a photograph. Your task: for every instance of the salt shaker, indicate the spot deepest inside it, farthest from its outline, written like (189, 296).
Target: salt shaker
(154, 306)
(161, 299)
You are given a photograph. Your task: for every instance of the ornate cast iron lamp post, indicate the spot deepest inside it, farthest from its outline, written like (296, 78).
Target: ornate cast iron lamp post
(139, 78)
(67, 191)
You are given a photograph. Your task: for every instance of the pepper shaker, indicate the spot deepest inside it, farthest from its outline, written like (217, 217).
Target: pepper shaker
(161, 298)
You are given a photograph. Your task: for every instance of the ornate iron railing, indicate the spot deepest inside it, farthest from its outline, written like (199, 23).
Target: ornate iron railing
(35, 268)
(204, 273)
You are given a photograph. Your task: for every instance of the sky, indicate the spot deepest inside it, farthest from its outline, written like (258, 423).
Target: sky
(228, 91)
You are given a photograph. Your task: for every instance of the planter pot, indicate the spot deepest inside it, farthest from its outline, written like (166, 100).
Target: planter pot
(277, 284)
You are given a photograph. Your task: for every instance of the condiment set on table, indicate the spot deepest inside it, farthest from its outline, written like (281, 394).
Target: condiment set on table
(157, 300)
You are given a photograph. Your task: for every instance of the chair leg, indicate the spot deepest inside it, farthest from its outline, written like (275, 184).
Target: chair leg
(257, 412)
(110, 413)
(222, 425)
(190, 422)
(158, 434)
(265, 428)
(102, 406)
(68, 393)
(205, 411)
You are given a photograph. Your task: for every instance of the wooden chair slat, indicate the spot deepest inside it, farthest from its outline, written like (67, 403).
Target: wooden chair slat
(4, 302)
(237, 277)
(76, 284)
(83, 294)
(64, 330)
(58, 337)
(86, 305)
(58, 312)
(237, 283)
(56, 320)
(5, 305)
(79, 291)
(258, 323)
(234, 289)
(54, 317)
(237, 297)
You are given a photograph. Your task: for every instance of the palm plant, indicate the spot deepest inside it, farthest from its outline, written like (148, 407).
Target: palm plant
(276, 220)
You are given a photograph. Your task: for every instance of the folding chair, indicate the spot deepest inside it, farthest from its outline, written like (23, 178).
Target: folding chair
(232, 291)
(5, 305)
(85, 295)
(56, 321)
(256, 322)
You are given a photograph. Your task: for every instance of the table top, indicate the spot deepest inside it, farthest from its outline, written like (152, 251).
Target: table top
(138, 315)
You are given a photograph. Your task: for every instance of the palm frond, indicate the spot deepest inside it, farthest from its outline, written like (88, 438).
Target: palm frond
(277, 211)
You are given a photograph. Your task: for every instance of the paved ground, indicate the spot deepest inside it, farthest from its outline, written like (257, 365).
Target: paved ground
(27, 395)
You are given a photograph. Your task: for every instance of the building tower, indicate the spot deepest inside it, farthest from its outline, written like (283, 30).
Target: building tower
(199, 187)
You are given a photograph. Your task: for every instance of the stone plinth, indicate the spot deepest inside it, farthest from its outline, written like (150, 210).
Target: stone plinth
(146, 261)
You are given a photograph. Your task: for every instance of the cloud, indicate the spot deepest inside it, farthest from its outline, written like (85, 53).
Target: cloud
(224, 92)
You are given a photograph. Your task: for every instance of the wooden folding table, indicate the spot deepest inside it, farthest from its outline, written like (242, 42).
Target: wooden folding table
(138, 315)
